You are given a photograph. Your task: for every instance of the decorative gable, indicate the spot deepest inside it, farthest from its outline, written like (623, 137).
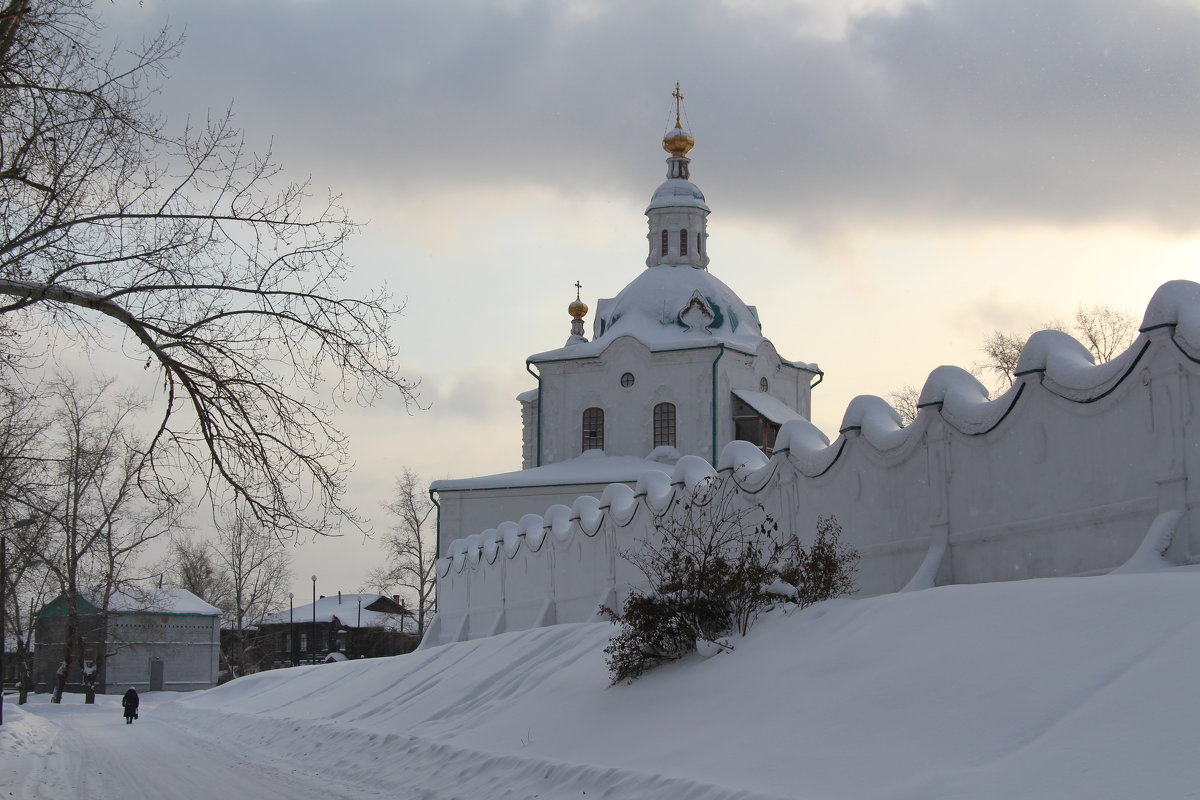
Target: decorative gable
(697, 315)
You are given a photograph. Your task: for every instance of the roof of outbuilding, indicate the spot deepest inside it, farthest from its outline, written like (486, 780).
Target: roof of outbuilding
(137, 600)
(345, 609)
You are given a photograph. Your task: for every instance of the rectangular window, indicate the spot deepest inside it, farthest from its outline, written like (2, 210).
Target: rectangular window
(683, 242)
(665, 242)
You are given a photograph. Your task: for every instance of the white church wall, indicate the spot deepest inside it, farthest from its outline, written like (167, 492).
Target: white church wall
(529, 586)
(683, 377)
(1062, 475)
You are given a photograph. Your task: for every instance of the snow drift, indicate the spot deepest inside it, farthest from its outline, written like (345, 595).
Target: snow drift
(1065, 687)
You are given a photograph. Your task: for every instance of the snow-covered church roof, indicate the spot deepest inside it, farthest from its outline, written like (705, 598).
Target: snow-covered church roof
(670, 307)
(677, 193)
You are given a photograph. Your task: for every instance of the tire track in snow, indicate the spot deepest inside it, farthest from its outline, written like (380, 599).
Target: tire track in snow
(418, 768)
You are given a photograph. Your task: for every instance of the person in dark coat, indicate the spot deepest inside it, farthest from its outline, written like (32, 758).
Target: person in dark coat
(130, 704)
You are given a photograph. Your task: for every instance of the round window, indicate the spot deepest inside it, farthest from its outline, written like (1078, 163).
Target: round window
(627, 380)
(762, 384)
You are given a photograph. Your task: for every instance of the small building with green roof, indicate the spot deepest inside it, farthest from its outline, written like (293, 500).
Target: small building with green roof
(150, 639)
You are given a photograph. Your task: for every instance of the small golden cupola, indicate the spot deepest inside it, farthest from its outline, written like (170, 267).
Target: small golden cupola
(578, 310)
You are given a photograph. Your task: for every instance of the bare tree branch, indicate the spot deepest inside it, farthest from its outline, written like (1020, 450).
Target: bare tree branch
(410, 549)
(229, 283)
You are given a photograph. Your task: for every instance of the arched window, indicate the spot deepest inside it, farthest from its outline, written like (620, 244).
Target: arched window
(664, 425)
(665, 242)
(683, 242)
(593, 429)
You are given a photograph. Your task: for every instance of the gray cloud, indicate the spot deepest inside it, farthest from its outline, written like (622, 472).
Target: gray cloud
(990, 110)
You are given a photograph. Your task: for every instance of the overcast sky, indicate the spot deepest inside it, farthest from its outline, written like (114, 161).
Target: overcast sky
(889, 181)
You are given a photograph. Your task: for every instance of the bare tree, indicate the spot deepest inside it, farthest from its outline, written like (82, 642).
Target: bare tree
(97, 519)
(1001, 351)
(22, 424)
(27, 588)
(904, 400)
(226, 284)
(410, 549)
(1105, 331)
(193, 565)
(256, 569)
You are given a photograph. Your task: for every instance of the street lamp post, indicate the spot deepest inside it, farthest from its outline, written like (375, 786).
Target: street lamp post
(312, 645)
(291, 629)
(21, 523)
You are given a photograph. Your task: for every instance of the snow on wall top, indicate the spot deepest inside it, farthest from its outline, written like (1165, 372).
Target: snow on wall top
(592, 467)
(669, 307)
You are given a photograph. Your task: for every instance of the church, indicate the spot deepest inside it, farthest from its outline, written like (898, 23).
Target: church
(1078, 469)
(677, 365)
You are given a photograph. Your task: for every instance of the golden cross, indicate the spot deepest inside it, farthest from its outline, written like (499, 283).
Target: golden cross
(678, 97)
(578, 286)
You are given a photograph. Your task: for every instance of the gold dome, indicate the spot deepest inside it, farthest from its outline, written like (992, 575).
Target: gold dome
(678, 143)
(577, 308)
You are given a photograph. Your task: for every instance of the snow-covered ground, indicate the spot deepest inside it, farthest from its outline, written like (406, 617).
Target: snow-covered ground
(1061, 688)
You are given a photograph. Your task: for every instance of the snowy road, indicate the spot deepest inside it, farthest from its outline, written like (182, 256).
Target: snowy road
(76, 751)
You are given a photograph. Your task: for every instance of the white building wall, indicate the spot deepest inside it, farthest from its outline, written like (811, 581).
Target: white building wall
(1063, 475)
(188, 645)
(693, 220)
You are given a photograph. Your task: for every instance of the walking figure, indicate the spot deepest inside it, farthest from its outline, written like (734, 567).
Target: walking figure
(130, 703)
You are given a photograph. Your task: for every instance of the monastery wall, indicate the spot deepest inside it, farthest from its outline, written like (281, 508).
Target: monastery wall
(1077, 470)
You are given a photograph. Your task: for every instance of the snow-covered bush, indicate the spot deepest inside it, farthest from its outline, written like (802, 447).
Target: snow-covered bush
(717, 560)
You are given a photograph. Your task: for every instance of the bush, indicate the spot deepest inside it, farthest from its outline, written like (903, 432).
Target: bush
(823, 571)
(715, 563)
